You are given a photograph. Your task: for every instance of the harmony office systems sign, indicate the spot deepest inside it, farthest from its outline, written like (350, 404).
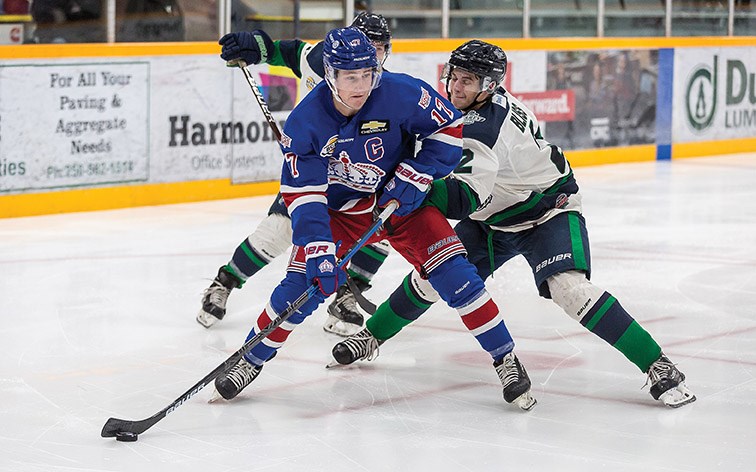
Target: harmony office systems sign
(714, 94)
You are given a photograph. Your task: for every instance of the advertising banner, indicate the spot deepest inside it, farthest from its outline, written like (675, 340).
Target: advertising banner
(714, 94)
(151, 120)
(599, 98)
(69, 125)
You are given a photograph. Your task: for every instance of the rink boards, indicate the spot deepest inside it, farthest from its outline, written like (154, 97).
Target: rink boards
(87, 127)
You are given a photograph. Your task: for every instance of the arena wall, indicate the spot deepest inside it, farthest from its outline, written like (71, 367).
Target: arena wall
(90, 127)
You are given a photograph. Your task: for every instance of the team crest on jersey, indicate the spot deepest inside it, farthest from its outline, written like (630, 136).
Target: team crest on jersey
(356, 175)
(310, 83)
(500, 100)
(562, 201)
(285, 140)
(425, 98)
(473, 117)
(330, 146)
(374, 126)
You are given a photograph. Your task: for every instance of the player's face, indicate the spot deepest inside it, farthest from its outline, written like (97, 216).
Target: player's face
(380, 51)
(354, 86)
(464, 87)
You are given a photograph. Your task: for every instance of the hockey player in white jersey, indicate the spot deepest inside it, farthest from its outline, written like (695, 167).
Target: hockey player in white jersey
(351, 146)
(534, 210)
(272, 237)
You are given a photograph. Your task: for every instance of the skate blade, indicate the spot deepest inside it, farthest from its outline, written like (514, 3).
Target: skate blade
(338, 327)
(216, 397)
(335, 365)
(526, 401)
(677, 396)
(206, 319)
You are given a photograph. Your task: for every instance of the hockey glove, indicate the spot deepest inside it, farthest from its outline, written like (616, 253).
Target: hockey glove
(320, 257)
(408, 187)
(253, 47)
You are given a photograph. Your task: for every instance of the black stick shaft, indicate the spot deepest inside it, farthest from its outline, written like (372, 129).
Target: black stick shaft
(115, 425)
(258, 96)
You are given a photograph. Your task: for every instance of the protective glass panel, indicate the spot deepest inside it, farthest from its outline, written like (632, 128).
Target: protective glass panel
(553, 18)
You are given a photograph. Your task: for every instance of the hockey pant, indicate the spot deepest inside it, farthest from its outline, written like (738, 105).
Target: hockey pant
(558, 253)
(272, 237)
(425, 239)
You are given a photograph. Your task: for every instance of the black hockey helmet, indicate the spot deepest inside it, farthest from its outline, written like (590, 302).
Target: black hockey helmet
(374, 26)
(487, 61)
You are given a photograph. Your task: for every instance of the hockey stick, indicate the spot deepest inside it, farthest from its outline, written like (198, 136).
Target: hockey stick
(258, 96)
(128, 429)
(363, 302)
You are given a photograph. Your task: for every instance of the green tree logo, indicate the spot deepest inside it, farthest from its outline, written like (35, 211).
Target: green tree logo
(701, 96)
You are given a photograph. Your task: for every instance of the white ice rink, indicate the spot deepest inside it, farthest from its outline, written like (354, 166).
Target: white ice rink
(98, 321)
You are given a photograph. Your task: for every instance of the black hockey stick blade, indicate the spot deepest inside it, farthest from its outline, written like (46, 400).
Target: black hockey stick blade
(364, 303)
(114, 425)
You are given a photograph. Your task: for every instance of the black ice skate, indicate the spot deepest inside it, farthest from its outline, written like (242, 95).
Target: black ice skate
(215, 297)
(668, 383)
(344, 316)
(232, 382)
(360, 346)
(515, 381)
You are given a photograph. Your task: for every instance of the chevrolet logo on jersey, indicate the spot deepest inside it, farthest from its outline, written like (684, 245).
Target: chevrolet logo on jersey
(373, 127)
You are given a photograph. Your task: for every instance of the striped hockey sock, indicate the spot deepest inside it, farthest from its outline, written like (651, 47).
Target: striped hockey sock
(246, 262)
(270, 344)
(403, 307)
(482, 318)
(367, 261)
(609, 321)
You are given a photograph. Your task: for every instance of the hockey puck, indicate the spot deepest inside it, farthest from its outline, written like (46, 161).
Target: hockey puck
(126, 436)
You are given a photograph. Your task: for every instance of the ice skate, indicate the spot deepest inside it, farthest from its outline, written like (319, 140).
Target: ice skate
(515, 381)
(668, 383)
(231, 383)
(215, 297)
(344, 316)
(361, 346)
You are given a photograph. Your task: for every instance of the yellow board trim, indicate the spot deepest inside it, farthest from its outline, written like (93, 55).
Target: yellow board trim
(128, 196)
(713, 148)
(615, 155)
(567, 44)
(35, 51)
(50, 51)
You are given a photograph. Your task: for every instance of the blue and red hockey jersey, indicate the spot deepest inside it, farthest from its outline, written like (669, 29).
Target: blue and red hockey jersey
(333, 161)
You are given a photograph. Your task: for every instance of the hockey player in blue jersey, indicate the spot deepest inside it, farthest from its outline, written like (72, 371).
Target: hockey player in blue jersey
(272, 237)
(362, 139)
(534, 210)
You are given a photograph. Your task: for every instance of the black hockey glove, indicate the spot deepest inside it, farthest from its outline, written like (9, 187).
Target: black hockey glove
(253, 47)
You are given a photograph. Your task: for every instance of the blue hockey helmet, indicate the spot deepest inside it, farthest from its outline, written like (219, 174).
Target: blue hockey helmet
(349, 49)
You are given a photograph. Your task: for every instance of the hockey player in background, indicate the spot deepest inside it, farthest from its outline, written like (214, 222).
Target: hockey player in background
(272, 237)
(350, 146)
(534, 210)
